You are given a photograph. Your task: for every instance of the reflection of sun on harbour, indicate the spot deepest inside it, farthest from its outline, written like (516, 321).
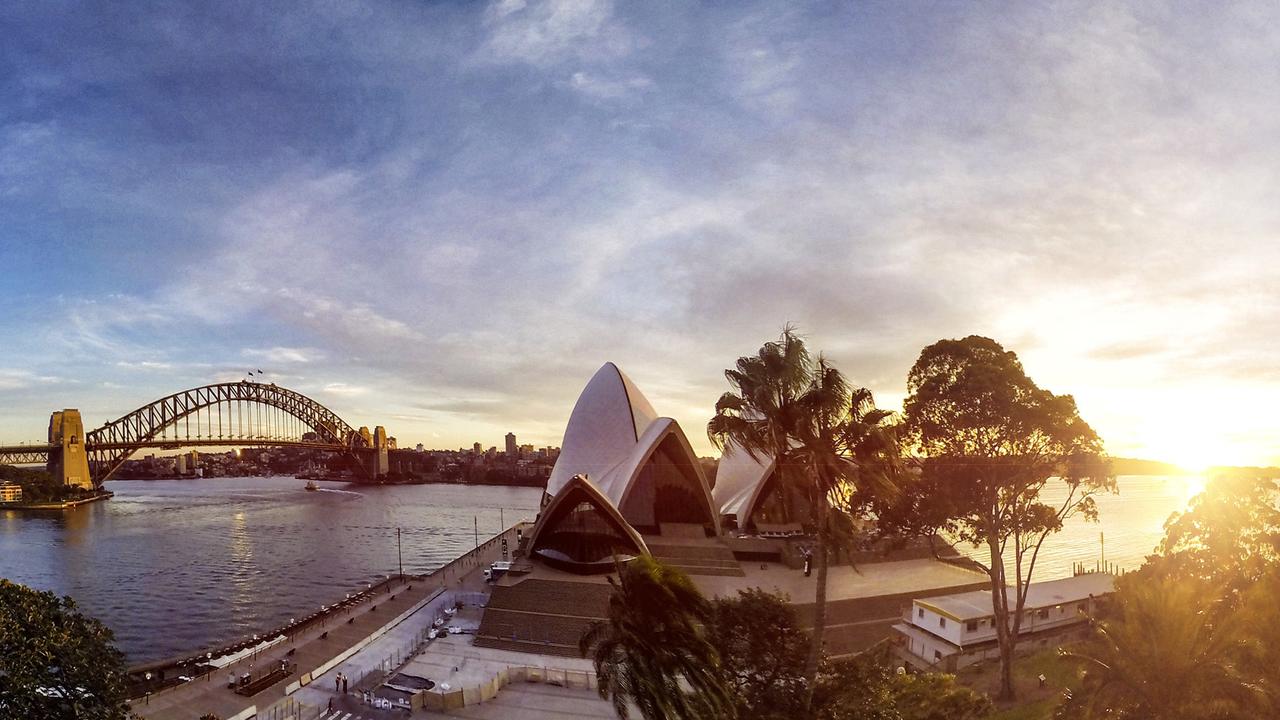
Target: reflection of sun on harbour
(241, 546)
(1192, 485)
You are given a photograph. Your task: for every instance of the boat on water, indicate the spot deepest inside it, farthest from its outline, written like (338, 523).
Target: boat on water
(311, 486)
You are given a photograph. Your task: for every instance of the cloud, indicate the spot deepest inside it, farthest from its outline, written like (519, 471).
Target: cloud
(343, 389)
(12, 379)
(144, 365)
(605, 88)
(284, 355)
(551, 31)
(451, 215)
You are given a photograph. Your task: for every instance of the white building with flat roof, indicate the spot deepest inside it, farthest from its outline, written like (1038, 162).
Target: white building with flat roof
(952, 631)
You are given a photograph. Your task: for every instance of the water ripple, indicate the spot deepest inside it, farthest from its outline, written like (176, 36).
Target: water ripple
(173, 566)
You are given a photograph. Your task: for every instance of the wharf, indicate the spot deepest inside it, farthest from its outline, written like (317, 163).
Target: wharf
(314, 648)
(61, 505)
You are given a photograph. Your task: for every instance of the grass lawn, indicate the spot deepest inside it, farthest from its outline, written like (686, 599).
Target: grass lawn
(1034, 702)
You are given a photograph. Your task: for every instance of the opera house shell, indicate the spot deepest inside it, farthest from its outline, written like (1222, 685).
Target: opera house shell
(749, 495)
(622, 474)
(741, 485)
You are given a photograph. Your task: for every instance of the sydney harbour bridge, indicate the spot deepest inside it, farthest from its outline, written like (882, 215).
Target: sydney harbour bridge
(234, 414)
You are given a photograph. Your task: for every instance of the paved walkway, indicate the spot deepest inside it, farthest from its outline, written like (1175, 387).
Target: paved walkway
(866, 580)
(316, 646)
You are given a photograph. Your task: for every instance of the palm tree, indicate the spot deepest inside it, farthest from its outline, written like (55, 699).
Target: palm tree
(652, 650)
(1167, 654)
(763, 415)
(828, 440)
(850, 452)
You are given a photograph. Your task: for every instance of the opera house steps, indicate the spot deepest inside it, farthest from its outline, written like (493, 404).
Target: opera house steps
(546, 615)
(705, 557)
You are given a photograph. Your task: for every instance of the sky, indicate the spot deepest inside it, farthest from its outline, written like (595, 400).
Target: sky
(444, 217)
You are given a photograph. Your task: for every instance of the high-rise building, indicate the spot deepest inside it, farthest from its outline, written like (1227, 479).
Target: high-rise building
(511, 444)
(476, 449)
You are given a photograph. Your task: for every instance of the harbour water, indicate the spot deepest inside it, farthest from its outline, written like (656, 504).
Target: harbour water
(176, 565)
(1130, 524)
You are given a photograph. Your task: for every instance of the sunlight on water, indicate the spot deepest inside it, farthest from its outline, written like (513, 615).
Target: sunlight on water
(1130, 525)
(175, 565)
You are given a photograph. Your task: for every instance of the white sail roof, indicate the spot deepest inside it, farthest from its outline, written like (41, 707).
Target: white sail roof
(739, 480)
(606, 424)
(612, 435)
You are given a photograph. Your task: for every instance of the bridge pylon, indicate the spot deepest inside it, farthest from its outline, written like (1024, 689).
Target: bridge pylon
(68, 459)
(379, 460)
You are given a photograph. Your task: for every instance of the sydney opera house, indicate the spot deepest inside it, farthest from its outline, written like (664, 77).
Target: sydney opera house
(628, 483)
(623, 473)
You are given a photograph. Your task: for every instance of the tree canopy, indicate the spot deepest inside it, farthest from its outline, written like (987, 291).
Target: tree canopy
(1169, 650)
(987, 440)
(1195, 632)
(868, 687)
(1229, 535)
(652, 650)
(762, 652)
(831, 446)
(55, 662)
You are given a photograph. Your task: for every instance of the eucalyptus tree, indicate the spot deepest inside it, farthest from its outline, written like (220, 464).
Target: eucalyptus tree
(652, 650)
(989, 440)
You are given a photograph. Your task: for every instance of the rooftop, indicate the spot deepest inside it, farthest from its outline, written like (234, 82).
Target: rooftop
(871, 579)
(977, 604)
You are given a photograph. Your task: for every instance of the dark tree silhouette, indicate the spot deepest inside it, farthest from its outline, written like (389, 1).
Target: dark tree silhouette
(56, 663)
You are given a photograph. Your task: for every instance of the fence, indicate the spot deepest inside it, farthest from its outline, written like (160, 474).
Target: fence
(395, 659)
(455, 698)
(288, 709)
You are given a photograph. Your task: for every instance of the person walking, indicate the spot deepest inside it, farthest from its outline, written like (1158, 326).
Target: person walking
(344, 684)
(337, 683)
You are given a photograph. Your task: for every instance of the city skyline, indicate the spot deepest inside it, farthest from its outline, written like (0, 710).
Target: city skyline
(443, 218)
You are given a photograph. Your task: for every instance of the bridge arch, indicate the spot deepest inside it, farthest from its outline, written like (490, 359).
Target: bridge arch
(113, 443)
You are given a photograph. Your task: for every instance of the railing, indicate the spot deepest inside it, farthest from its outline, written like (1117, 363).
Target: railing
(401, 655)
(1080, 568)
(199, 668)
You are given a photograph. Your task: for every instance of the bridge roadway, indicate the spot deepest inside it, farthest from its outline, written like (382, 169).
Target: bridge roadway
(39, 454)
(209, 693)
(24, 454)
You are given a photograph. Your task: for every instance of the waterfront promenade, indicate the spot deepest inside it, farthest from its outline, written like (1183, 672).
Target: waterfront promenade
(317, 646)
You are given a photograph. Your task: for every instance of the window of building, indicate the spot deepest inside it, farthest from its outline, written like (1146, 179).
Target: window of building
(1042, 613)
(921, 612)
(972, 625)
(937, 654)
(942, 622)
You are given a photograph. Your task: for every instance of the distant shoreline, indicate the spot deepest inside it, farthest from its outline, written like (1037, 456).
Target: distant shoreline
(533, 482)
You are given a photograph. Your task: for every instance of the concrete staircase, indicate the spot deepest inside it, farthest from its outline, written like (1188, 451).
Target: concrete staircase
(695, 557)
(543, 616)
